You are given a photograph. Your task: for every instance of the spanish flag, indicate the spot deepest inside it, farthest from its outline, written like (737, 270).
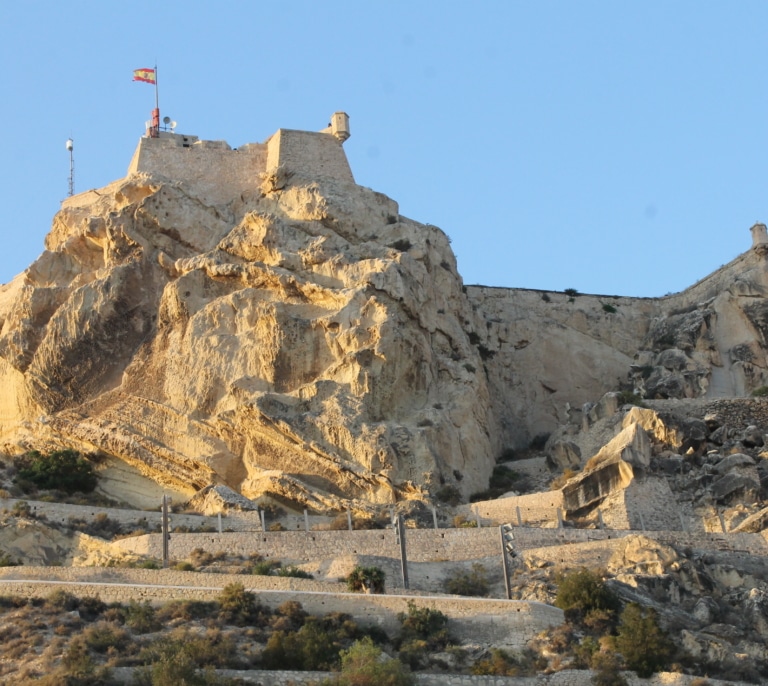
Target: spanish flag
(146, 75)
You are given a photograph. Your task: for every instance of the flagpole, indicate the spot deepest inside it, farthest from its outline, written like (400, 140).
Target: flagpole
(156, 111)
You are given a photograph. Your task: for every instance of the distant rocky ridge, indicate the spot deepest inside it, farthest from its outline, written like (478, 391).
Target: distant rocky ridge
(297, 338)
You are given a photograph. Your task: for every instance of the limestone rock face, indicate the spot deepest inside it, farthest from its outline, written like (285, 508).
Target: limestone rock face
(308, 343)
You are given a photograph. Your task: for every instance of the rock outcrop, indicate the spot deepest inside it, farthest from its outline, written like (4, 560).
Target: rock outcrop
(301, 340)
(307, 343)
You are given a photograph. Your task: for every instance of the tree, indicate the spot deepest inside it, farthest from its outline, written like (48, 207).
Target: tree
(363, 664)
(63, 470)
(581, 592)
(366, 579)
(645, 646)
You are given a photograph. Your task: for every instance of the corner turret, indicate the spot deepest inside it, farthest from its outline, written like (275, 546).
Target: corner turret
(759, 236)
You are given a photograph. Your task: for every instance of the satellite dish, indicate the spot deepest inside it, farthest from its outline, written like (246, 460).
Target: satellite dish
(70, 144)
(166, 120)
(173, 125)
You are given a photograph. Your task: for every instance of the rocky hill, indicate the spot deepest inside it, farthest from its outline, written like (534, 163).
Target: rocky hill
(294, 340)
(298, 338)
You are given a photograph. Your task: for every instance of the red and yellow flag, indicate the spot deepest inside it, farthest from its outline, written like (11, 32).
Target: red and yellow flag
(146, 75)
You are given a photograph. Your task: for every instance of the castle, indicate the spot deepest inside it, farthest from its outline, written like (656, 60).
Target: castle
(217, 172)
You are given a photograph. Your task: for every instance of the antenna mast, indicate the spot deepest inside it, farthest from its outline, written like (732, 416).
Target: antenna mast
(70, 147)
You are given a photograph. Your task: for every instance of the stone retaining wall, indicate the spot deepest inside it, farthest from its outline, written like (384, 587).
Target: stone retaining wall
(61, 512)
(423, 545)
(497, 622)
(568, 677)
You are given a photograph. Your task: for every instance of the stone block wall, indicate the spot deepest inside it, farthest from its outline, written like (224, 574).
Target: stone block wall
(61, 512)
(215, 172)
(423, 545)
(536, 509)
(499, 622)
(308, 154)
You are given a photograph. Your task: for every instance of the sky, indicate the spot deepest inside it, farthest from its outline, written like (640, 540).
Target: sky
(616, 148)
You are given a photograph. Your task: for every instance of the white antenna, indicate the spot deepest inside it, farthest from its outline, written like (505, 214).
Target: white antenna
(70, 147)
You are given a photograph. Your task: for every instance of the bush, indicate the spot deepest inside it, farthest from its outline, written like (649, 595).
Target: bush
(450, 495)
(294, 572)
(366, 579)
(470, 583)
(21, 509)
(238, 606)
(265, 567)
(364, 664)
(582, 592)
(607, 666)
(174, 661)
(760, 392)
(629, 398)
(610, 309)
(184, 566)
(424, 623)
(645, 647)
(7, 561)
(105, 635)
(141, 617)
(64, 470)
(572, 292)
(461, 521)
(314, 647)
(499, 663)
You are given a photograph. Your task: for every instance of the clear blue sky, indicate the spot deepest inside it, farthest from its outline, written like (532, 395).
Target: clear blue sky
(612, 147)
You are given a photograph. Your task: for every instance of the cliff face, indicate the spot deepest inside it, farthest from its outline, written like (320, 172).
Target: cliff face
(308, 343)
(548, 354)
(303, 340)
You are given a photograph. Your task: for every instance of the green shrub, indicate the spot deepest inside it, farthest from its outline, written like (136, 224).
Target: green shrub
(364, 664)
(102, 636)
(461, 521)
(366, 579)
(607, 667)
(645, 647)
(7, 561)
(629, 398)
(499, 663)
(238, 606)
(294, 572)
(423, 631)
(315, 646)
(424, 623)
(610, 309)
(184, 566)
(450, 495)
(63, 470)
(21, 508)
(265, 567)
(175, 661)
(760, 392)
(581, 592)
(141, 617)
(572, 292)
(469, 583)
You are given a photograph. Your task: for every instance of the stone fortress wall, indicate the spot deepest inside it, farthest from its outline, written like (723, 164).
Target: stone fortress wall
(218, 173)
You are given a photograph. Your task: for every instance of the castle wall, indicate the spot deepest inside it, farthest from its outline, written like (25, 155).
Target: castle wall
(423, 545)
(212, 169)
(498, 622)
(308, 154)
